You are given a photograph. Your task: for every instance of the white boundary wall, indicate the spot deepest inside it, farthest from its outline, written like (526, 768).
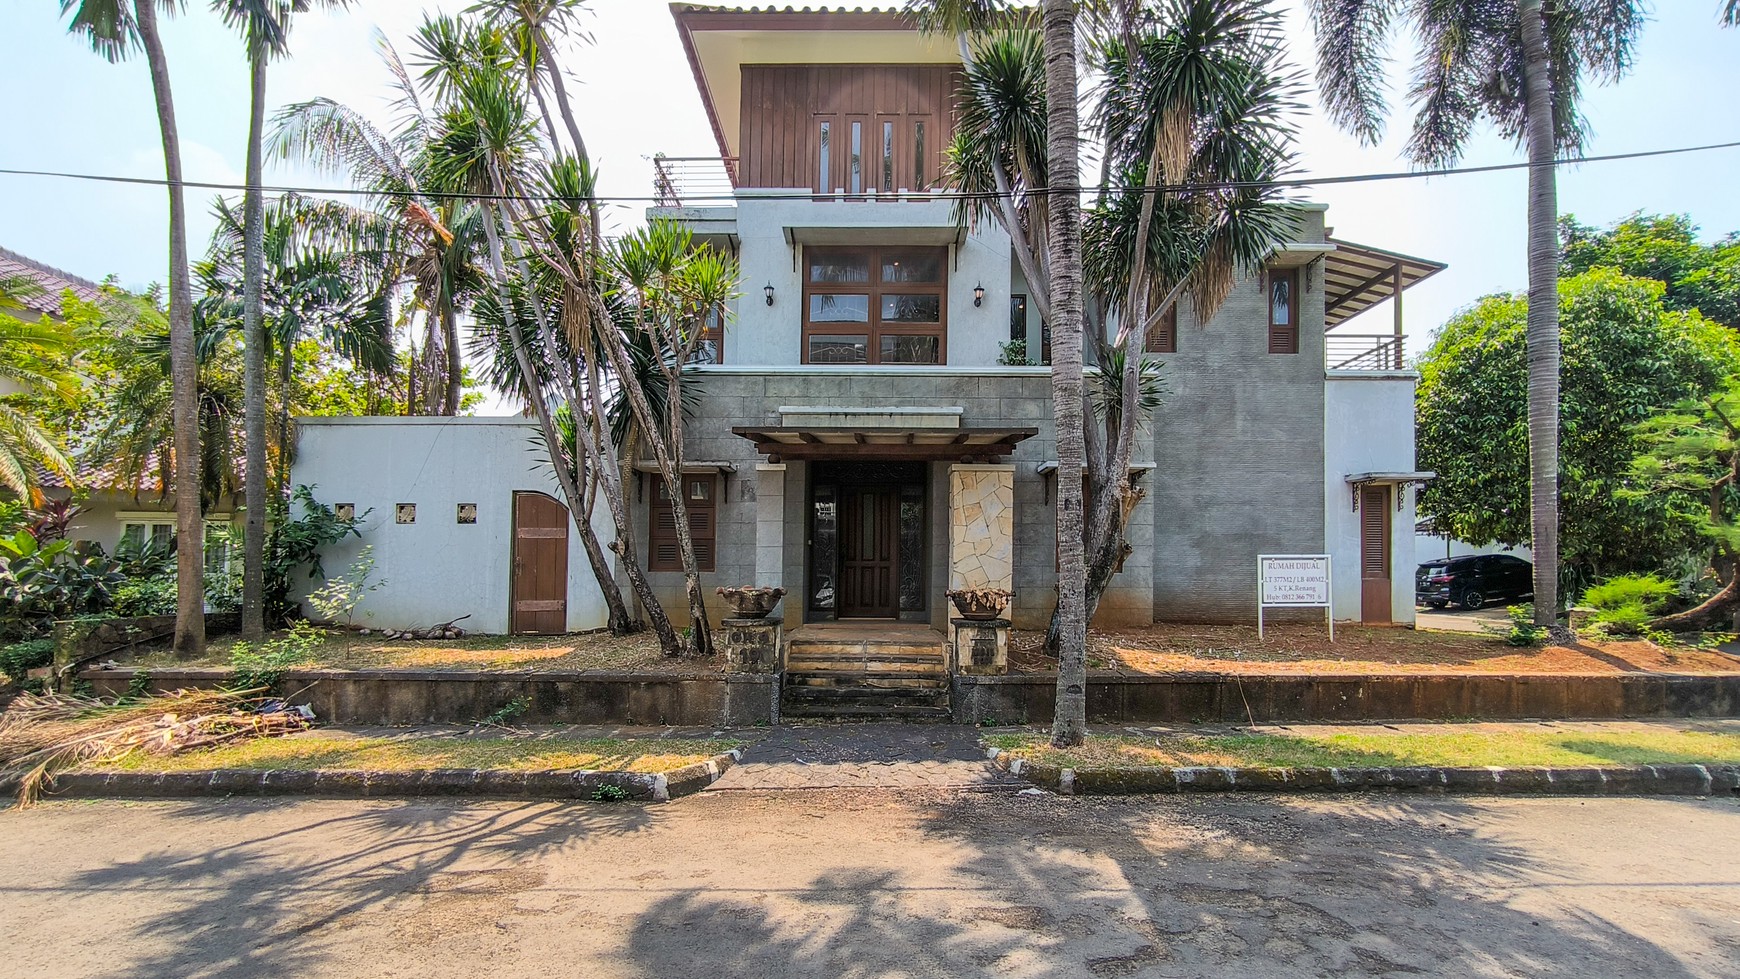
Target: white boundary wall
(436, 568)
(1368, 426)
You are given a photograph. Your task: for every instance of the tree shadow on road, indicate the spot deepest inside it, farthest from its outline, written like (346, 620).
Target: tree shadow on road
(1176, 886)
(267, 905)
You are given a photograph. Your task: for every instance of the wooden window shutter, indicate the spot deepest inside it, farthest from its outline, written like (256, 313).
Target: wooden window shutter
(1374, 532)
(1163, 335)
(1281, 288)
(663, 550)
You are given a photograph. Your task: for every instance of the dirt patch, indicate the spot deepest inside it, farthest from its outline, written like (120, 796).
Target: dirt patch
(585, 652)
(1166, 648)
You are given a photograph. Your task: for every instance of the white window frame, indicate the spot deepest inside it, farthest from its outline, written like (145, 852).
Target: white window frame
(148, 519)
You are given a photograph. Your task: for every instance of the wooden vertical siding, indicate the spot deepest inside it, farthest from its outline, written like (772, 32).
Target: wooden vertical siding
(784, 104)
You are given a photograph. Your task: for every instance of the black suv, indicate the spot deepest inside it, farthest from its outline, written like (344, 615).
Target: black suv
(1473, 581)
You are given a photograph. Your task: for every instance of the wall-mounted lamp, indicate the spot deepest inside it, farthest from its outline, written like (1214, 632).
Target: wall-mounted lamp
(767, 291)
(979, 294)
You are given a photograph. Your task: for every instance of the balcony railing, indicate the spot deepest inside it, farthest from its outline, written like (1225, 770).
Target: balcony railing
(687, 181)
(1362, 352)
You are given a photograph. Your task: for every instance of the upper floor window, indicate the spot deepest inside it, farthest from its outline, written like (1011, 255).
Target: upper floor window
(1283, 290)
(710, 348)
(1163, 335)
(875, 306)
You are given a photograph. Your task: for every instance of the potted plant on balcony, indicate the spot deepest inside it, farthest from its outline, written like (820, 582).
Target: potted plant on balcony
(750, 601)
(980, 604)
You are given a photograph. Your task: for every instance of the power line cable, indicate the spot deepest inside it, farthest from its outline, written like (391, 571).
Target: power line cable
(1284, 183)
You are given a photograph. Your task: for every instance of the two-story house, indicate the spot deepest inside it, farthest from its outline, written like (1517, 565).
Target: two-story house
(858, 440)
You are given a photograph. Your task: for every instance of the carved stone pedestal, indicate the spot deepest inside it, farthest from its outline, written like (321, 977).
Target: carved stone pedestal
(980, 647)
(751, 645)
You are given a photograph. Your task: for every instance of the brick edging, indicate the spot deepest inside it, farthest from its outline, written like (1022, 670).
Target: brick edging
(1620, 780)
(360, 784)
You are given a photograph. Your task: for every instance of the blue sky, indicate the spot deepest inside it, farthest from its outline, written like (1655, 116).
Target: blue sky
(70, 110)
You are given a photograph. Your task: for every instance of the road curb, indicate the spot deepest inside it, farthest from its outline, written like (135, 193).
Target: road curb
(363, 784)
(1698, 780)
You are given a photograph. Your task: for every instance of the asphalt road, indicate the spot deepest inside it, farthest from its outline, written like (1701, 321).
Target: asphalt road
(875, 884)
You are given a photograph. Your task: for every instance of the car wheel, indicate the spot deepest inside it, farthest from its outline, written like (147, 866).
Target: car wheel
(1436, 604)
(1472, 600)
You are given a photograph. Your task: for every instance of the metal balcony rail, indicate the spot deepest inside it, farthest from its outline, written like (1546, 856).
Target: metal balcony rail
(685, 181)
(1362, 352)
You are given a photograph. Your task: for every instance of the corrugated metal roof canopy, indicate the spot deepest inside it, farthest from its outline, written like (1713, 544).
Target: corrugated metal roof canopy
(1358, 277)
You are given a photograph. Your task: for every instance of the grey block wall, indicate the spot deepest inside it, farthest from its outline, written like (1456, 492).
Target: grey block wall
(1239, 453)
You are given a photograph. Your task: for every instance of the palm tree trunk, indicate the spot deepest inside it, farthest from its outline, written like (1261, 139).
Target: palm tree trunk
(183, 360)
(254, 365)
(455, 369)
(1543, 325)
(1069, 725)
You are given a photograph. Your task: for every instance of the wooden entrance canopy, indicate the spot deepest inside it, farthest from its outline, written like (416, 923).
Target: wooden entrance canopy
(970, 445)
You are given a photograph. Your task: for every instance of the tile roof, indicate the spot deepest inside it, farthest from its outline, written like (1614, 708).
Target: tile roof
(52, 280)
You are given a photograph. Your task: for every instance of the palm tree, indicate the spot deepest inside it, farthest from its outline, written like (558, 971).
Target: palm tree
(265, 26)
(1520, 66)
(328, 271)
(32, 356)
(115, 31)
(440, 239)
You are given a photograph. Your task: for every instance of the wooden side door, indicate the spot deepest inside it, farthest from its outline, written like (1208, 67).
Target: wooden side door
(538, 592)
(869, 553)
(1374, 555)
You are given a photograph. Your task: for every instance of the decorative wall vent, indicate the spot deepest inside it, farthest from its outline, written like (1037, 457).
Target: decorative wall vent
(405, 513)
(467, 513)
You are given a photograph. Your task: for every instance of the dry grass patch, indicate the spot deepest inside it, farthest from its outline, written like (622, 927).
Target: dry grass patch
(339, 750)
(1166, 648)
(1508, 749)
(587, 652)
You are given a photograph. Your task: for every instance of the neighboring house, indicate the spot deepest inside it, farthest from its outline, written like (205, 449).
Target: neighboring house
(110, 508)
(857, 440)
(53, 284)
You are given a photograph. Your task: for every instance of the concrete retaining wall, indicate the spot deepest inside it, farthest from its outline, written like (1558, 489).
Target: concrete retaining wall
(1187, 698)
(430, 697)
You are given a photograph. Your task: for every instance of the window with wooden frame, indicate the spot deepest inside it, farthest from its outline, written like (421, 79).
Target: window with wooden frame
(875, 305)
(710, 347)
(700, 495)
(1163, 335)
(1283, 293)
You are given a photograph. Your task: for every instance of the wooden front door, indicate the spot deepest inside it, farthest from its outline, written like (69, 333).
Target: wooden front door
(1374, 555)
(869, 552)
(539, 590)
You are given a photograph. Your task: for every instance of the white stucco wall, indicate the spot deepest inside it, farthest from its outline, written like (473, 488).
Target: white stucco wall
(1368, 426)
(759, 334)
(436, 568)
(1429, 546)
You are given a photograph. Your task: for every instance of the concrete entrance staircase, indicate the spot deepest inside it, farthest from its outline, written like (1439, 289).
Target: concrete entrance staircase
(865, 672)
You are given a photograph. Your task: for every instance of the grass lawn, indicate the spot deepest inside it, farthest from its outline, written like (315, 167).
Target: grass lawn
(555, 654)
(326, 750)
(1508, 749)
(1305, 649)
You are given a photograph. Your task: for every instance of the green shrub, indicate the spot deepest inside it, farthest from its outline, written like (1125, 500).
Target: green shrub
(1643, 590)
(264, 664)
(146, 596)
(18, 659)
(1523, 631)
(1626, 620)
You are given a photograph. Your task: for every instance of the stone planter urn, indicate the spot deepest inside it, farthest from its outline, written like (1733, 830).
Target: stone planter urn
(980, 604)
(750, 601)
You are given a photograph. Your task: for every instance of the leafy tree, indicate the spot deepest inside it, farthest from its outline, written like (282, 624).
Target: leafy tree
(1691, 457)
(1626, 357)
(115, 30)
(1664, 247)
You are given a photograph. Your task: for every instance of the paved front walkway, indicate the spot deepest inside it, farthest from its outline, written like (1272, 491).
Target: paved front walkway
(866, 756)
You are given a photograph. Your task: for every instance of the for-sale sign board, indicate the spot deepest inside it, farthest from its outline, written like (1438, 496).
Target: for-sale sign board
(1294, 581)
